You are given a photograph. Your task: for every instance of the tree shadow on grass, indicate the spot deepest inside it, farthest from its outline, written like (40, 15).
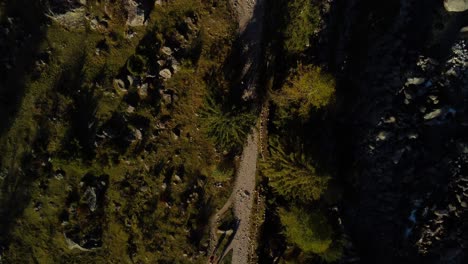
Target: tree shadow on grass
(18, 182)
(23, 31)
(30, 170)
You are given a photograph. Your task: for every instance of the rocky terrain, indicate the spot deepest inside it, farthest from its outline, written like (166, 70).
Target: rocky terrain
(408, 137)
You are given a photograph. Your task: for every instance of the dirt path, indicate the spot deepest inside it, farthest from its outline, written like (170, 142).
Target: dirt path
(250, 18)
(243, 198)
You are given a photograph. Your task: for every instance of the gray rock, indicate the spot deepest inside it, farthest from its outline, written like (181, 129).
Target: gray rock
(90, 197)
(135, 13)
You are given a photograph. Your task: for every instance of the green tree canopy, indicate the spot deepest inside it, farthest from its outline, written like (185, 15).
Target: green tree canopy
(311, 233)
(303, 18)
(308, 88)
(292, 175)
(308, 231)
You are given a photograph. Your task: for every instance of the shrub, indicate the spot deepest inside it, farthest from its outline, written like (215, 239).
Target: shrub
(222, 175)
(228, 128)
(311, 233)
(308, 231)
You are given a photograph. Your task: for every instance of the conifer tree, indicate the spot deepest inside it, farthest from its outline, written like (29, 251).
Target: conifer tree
(292, 174)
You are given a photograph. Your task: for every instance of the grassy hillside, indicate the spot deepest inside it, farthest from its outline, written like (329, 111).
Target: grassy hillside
(106, 159)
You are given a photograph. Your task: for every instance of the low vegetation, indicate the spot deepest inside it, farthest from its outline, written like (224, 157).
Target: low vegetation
(312, 233)
(227, 127)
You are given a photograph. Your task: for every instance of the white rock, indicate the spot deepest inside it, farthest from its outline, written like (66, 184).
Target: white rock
(456, 5)
(143, 91)
(434, 99)
(119, 84)
(135, 13)
(167, 51)
(130, 79)
(72, 245)
(413, 135)
(381, 136)
(390, 120)
(165, 74)
(414, 81)
(74, 19)
(177, 178)
(434, 114)
(138, 135)
(130, 109)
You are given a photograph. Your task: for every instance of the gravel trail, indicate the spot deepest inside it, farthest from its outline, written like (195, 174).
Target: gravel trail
(243, 200)
(250, 17)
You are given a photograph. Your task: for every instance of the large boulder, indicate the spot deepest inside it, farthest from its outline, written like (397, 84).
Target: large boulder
(64, 6)
(68, 13)
(456, 5)
(135, 13)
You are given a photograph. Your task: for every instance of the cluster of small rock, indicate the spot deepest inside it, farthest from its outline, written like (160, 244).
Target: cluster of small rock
(444, 229)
